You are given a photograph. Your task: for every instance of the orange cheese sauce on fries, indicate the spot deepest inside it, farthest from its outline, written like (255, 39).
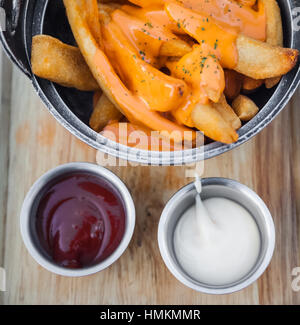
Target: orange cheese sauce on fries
(135, 42)
(155, 15)
(219, 36)
(159, 91)
(196, 69)
(237, 14)
(134, 37)
(143, 35)
(134, 108)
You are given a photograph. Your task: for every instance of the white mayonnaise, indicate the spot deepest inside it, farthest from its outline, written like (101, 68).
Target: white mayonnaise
(217, 241)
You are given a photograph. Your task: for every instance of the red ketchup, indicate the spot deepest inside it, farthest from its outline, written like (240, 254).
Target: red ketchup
(80, 220)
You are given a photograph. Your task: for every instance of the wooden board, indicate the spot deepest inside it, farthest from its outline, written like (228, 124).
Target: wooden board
(35, 142)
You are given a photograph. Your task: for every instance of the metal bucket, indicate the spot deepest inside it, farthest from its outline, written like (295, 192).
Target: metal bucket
(72, 108)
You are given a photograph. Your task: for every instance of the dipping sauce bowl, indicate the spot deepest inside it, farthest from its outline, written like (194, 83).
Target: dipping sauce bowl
(211, 188)
(77, 219)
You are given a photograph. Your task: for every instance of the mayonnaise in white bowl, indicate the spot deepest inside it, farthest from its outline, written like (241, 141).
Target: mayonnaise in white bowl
(218, 248)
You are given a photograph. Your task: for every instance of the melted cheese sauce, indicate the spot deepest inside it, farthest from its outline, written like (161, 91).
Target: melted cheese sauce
(238, 14)
(220, 37)
(134, 37)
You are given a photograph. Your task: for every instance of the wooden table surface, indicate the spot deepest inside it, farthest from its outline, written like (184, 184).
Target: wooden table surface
(32, 142)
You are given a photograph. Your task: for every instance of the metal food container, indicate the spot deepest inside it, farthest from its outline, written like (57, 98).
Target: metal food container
(32, 200)
(72, 108)
(229, 189)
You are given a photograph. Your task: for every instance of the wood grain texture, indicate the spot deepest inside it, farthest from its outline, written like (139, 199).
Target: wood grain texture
(5, 84)
(269, 164)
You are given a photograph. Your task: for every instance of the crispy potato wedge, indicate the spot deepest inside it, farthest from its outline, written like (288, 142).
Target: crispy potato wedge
(250, 85)
(174, 47)
(92, 18)
(274, 36)
(227, 113)
(96, 97)
(272, 82)
(233, 83)
(188, 39)
(208, 120)
(245, 108)
(200, 79)
(104, 112)
(274, 31)
(274, 23)
(260, 60)
(255, 59)
(61, 63)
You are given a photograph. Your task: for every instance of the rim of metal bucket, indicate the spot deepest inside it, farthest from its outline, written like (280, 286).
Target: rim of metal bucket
(275, 104)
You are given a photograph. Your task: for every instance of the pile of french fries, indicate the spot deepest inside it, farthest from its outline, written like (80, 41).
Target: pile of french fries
(155, 92)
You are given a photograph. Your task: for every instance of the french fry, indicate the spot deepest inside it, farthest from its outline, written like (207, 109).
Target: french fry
(272, 82)
(260, 60)
(208, 120)
(61, 63)
(103, 113)
(133, 107)
(108, 7)
(244, 107)
(188, 39)
(249, 3)
(167, 43)
(96, 97)
(274, 36)
(202, 65)
(111, 57)
(274, 31)
(255, 59)
(92, 18)
(105, 10)
(227, 113)
(160, 91)
(233, 83)
(143, 3)
(274, 23)
(156, 14)
(175, 47)
(250, 85)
